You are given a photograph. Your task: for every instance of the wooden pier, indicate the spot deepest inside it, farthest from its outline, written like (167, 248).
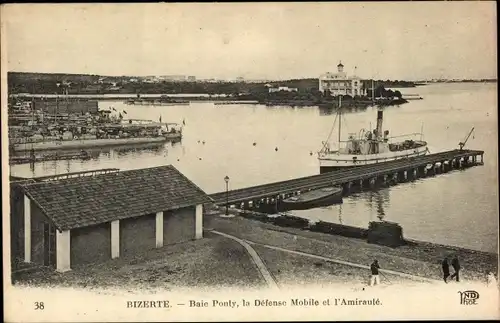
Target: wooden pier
(363, 176)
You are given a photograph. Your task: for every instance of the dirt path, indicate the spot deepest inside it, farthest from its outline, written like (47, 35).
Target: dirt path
(420, 260)
(256, 259)
(387, 271)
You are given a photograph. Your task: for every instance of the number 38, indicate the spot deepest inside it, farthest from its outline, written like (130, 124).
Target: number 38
(39, 306)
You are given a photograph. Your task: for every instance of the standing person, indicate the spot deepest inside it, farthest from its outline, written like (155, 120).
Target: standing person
(374, 280)
(491, 280)
(446, 269)
(455, 263)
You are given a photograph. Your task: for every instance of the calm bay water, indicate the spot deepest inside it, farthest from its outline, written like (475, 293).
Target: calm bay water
(459, 208)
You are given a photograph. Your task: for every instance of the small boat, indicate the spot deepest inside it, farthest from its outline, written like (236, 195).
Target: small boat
(312, 199)
(410, 96)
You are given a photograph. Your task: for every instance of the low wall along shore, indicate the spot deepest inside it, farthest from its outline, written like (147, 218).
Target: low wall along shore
(383, 233)
(305, 224)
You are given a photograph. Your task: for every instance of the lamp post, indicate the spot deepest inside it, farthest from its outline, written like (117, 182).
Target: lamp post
(226, 179)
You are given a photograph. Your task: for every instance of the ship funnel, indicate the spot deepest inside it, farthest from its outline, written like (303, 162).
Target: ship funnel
(380, 117)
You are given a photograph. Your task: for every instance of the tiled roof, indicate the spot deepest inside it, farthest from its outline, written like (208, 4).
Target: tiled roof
(84, 201)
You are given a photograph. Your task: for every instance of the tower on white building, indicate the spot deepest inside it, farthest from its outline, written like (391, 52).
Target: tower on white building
(340, 67)
(341, 83)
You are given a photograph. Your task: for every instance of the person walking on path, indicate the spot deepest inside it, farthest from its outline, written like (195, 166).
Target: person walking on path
(446, 269)
(374, 280)
(455, 263)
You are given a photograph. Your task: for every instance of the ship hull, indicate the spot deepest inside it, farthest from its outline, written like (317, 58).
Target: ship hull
(335, 162)
(91, 143)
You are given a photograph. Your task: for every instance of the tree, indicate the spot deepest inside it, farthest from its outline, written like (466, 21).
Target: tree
(389, 94)
(379, 91)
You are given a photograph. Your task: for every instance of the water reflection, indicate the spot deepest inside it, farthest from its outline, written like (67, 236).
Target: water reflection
(376, 201)
(51, 166)
(329, 110)
(156, 149)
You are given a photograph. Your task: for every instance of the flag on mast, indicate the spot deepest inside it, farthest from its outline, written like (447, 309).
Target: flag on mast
(160, 118)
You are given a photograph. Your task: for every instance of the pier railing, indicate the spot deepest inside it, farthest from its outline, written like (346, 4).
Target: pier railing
(342, 177)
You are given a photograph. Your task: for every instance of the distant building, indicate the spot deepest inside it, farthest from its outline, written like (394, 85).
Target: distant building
(282, 88)
(173, 78)
(191, 78)
(150, 79)
(341, 83)
(240, 79)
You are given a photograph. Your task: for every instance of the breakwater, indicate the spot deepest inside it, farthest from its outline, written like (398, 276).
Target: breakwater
(218, 99)
(333, 103)
(125, 96)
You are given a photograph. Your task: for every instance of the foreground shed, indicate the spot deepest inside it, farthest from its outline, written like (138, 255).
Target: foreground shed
(90, 219)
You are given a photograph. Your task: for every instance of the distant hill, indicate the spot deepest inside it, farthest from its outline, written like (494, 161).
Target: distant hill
(46, 83)
(55, 77)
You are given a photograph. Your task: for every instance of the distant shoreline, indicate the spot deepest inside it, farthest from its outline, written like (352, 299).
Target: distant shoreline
(220, 99)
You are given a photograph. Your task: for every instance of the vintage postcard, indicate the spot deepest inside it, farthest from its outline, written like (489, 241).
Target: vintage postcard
(249, 161)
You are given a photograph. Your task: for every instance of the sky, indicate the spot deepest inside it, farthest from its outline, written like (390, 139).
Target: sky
(384, 40)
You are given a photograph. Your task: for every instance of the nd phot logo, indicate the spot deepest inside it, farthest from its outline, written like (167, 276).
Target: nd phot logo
(469, 297)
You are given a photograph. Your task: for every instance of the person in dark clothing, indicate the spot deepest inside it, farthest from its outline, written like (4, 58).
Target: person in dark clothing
(446, 269)
(456, 266)
(375, 280)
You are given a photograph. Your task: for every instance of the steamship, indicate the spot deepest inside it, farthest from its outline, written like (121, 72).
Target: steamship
(369, 147)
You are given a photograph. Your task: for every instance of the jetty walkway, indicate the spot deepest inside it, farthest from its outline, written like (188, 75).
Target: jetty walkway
(393, 171)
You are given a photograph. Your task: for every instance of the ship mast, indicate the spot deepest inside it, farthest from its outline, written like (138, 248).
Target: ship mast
(340, 116)
(373, 92)
(340, 119)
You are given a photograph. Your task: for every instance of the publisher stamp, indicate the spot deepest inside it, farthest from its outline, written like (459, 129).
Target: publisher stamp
(469, 297)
